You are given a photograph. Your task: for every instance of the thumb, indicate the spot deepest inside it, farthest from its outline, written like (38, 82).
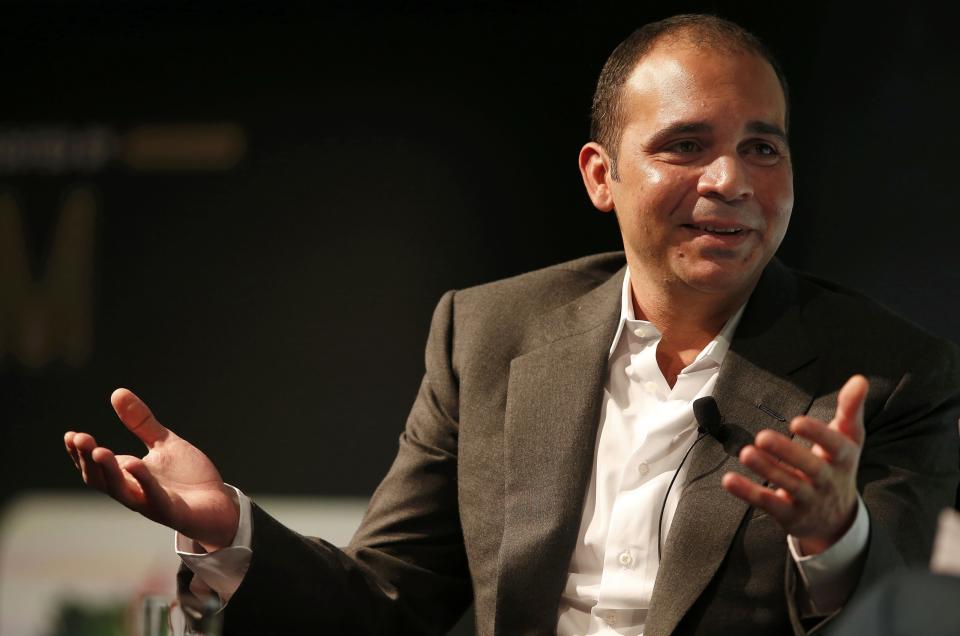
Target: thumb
(849, 416)
(136, 416)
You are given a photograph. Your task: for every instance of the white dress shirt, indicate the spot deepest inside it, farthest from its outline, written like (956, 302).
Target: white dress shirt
(646, 427)
(220, 572)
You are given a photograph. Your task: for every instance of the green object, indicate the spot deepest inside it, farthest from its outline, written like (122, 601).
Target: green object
(76, 618)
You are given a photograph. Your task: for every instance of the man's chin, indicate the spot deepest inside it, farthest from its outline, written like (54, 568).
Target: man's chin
(721, 279)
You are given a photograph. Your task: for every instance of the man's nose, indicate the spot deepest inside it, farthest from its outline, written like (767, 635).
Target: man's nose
(726, 177)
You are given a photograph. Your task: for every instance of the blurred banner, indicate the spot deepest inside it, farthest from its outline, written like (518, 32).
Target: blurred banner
(89, 576)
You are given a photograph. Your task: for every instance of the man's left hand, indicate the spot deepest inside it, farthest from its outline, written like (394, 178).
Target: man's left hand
(813, 492)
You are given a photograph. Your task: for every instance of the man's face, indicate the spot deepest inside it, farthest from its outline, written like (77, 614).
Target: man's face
(705, 184)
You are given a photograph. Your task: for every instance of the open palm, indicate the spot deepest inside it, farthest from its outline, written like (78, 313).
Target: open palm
(174, 484)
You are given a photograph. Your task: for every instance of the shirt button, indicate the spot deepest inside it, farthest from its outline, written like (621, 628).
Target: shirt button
(650, 386)
(625, 558)
(643, 468)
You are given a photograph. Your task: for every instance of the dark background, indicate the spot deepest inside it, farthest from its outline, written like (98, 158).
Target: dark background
(274, 313)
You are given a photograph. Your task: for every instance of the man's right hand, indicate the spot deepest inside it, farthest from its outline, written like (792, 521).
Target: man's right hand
(174, 484)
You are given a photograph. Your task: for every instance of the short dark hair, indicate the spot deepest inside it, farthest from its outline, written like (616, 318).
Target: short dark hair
(606, 114)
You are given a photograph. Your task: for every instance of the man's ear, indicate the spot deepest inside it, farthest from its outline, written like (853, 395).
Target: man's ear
(595, 168)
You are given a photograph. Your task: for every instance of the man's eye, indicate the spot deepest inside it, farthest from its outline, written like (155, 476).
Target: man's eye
(763, 153)
(764, 149)
(684, 147)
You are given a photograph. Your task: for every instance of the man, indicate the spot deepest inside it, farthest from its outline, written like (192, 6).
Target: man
(551, 468)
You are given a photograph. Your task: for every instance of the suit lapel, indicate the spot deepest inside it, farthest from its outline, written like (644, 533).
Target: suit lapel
(553, 408)
(767, 378)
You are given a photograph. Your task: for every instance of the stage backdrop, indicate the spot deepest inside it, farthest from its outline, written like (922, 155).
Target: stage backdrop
(246, 214)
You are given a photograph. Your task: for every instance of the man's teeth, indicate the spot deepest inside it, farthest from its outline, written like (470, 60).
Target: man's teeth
(718, 230)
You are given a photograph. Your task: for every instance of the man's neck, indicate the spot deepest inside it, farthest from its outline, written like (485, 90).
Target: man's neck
(687, 319)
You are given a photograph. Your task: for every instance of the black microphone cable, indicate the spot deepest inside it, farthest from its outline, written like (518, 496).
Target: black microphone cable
(663, 506)
(709, 422)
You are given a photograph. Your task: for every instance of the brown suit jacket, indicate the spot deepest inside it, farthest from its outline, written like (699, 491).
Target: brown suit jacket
(484, 499)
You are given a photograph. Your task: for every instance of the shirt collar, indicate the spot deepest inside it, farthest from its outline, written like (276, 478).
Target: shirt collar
(711, 355)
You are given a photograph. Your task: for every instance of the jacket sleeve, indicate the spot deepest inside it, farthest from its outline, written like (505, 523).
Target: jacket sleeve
(909, 470)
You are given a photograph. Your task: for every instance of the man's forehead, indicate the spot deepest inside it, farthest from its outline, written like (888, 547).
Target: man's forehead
(681, 77)
(681, 60)
(654, 70)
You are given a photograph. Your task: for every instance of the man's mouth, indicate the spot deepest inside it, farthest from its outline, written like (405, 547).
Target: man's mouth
(712, 229)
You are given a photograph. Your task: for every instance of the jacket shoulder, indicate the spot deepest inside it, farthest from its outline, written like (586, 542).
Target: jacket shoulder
(502, 318)
(541, 290)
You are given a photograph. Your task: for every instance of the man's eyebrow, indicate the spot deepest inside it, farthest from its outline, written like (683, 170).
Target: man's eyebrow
(678, 128)
(766, 128)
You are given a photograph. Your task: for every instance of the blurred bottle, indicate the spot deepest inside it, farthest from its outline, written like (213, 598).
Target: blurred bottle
(161, 616)
(201, 617)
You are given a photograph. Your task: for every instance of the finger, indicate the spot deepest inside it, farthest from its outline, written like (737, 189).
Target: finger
(850, 401)
(119, 485)
(84, 441)
(92, 473)
(784, 476)
(781, 447)
(839, 449)
(777, 503)
(137, 417)
(71, 448)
